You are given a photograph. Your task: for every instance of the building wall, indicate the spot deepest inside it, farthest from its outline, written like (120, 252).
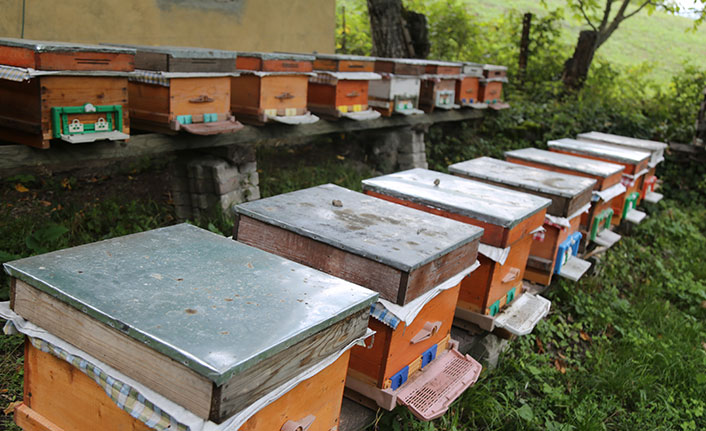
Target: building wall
(245, 25)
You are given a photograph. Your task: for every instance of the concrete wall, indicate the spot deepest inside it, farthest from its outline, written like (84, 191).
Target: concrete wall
(245, 25)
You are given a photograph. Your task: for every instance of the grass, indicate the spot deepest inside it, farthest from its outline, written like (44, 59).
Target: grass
(661, 40)
(624, 349)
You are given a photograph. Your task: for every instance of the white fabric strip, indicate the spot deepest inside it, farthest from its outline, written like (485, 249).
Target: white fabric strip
(407, 313)
(174, 410)
(565, 221)
(495, 254)
(609, 193)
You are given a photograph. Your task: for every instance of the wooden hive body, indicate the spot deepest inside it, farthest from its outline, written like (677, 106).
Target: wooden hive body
(341, 85)
(399, 66)
(636, 163)
(437, 92)
(490, 91)
(507, 218)
(607, 175)
(172, 356)
(63, 91)
(178, 88)
(84, 406)
(569, 195)
(394, 93)
(467, 90)
(366, 241)
(270, 85)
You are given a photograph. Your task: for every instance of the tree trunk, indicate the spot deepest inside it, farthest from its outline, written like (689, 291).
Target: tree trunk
(388, 29)
(576, 67)
(524, 46)
(418, 32)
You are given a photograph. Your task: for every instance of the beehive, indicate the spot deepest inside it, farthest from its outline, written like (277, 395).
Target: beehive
(596, 223)
(647, 191)
(634, 161)
(182, 89)
(398, 90)
(71, 92)
(491, 86)
(340, 87)
(553, 251)
(187, 314)
(438, 88)
(507, 217)
(468, 86)
(414, 260)
(272, 87)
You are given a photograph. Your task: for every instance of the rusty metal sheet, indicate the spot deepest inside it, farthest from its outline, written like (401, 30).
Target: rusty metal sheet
(392, 234)
(512, 174)
(611, 152)
(480, 201)
(211, 303)
(565, 161)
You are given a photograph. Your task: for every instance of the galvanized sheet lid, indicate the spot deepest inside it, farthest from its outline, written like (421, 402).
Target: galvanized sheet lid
(344, 57)
(610, 152)
(388, 233)
(525, 177)
(52, 46)
(416, 61)
(211, 303)
(277, 56)
(443, 63)
(565, 161)
(623, 140)
(494, 67)
(481, 201)
(182, 51)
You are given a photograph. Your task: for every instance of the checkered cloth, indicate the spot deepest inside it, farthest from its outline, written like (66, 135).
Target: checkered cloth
(14, 73)
(379, 312)
(123, 395)
(149, 77)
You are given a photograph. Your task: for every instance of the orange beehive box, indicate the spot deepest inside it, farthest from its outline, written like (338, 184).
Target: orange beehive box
(507, 218)
(414, 260)
(595, 224)
(272, 87)
(438, 88)
(132, 321)
(182, 89)
(340, 87)
(635, 163)
(649, 183)
(468, 86)
(555, 249)
(72, 92)
(491, 87)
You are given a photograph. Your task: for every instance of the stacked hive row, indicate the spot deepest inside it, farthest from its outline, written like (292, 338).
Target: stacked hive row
(85, 93)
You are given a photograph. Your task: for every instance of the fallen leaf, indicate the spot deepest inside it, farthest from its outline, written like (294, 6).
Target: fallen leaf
(584, 336)
(561, 355)
(65, 183)
(559, 366)
(11, 407)
(339, 157)
(540, 346)
(20, 188)
(45, 203)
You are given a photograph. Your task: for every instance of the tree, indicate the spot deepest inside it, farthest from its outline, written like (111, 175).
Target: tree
(397, 32)
(604, 19)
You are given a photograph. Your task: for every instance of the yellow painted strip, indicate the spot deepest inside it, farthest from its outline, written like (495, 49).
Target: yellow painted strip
(343, 109)
(271, 112)
(290, 112)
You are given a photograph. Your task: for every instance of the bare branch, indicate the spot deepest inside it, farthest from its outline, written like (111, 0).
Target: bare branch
(583, 12)
(606, 15)
(648, 2)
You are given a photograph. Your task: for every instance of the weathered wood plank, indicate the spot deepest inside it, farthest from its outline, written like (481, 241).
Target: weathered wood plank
(17, 156)
(157, 371)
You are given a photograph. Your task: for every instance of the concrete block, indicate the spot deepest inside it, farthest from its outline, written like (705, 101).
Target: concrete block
(235, 154)
(411, 160)
(251, 193)
(183, 212)
(412, 142)
(246, 168)
(229, 199)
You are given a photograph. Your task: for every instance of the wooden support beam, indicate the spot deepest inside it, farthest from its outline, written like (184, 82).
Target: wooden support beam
(18, 156)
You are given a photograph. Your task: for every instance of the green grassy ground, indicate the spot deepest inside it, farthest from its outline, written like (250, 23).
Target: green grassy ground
(662, 40)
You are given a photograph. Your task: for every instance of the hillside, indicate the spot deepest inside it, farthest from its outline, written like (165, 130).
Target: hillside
(663, 40)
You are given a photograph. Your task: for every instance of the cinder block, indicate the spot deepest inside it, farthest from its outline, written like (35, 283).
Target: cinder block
(229, 199)
(412, 160)
(412, 142)
(251, 193)
(246, 168)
